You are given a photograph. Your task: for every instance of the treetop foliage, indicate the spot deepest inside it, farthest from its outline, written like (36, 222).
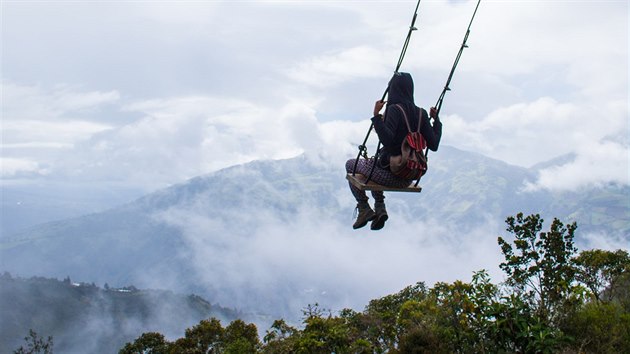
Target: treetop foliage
(554, 299)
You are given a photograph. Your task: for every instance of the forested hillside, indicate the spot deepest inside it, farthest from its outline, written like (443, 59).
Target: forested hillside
(83, 318)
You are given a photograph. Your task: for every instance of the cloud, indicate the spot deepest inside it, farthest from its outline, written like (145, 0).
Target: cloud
(11, 168)
(201, 86)
(522, 134)
(334, 69)
(41, 126)
(182, 137)
(595, 165)
(528, 133)
(318, 259)
(595, 240)
(166, 141)
(340, 141)
(510, 38)
(25, 133)
(28, 102)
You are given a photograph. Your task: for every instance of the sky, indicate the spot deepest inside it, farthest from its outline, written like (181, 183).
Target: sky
(145, 94)
(129, 97)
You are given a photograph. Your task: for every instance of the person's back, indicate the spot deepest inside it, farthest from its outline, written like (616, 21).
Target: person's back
(391, 130)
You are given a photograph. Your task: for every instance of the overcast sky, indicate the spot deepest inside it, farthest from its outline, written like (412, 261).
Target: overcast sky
(150, 93)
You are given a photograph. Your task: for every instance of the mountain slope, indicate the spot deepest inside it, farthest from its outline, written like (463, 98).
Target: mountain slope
(272, 236)
(83, 318)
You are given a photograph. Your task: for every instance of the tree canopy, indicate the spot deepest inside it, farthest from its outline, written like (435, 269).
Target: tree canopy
(554, 299)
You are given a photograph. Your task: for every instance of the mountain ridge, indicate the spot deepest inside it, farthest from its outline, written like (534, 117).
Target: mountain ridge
(83, 317)
(233, 235)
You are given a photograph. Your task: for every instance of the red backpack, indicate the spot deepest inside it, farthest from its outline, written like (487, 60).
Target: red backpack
(412, 164)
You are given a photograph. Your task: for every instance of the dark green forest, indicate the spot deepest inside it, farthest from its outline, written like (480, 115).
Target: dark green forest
(555, 299)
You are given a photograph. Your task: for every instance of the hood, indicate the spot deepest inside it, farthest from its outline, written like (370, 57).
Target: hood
(400, 89)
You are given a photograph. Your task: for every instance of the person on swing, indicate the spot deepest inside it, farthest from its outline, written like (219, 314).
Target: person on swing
(391, 130)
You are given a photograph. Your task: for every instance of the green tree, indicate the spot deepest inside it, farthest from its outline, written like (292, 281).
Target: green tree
(205, 337)
(147, 343)
(538, 264)
(280, 338)
(34, 344)
(240, 337)
(621, 293)
(381, 317)
(456, 315)
(600, 327)
(517, 329)
(420, 341)
(601, 270)
(323, 333)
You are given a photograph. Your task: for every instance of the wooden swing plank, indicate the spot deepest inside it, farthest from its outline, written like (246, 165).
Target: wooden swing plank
(358, 180)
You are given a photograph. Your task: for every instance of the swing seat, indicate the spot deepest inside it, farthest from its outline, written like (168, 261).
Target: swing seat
(358, 180)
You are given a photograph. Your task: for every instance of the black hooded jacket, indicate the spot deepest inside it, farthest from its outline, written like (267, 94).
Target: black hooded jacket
(391, 130)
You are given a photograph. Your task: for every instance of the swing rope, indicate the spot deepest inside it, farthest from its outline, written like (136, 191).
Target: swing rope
(438, 105)
(362, 147)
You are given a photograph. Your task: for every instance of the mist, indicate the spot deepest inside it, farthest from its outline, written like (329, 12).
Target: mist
(84, 318)
(280, 265)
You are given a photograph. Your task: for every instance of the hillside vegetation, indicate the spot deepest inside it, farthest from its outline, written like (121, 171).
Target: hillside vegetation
(83, 318)
(555, 299)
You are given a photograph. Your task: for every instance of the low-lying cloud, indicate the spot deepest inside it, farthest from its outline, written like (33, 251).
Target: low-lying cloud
(284, 265)
(527, 134)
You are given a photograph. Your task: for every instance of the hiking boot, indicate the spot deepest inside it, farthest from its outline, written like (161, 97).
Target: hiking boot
(366, 214)
(380, 216)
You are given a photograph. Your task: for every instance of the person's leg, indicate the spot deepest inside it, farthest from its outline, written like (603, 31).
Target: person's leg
(383, 177)
(379, 209)
(381, 215)
(366, 214)
(358, 194)
(380, 176)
